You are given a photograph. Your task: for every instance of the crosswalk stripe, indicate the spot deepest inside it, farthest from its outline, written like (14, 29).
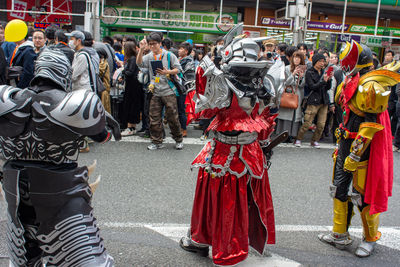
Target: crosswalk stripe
(390, 238)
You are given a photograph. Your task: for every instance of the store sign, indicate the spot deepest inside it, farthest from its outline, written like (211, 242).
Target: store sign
(41, 25)
(371, 41)
(196, 21)
(274, 23)
(312, 25)
(371, 30)
(327, 26)
(342, 38)
(59, 6)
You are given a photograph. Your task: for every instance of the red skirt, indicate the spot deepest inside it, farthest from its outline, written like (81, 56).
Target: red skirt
(231, 213)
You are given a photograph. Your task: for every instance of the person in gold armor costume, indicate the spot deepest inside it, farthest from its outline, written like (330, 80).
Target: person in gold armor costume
(364, 157)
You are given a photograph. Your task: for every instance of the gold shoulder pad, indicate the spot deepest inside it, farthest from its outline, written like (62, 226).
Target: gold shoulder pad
(393, 66)
(373, 91)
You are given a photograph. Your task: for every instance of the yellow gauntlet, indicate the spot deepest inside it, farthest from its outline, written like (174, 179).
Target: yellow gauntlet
(360, 144)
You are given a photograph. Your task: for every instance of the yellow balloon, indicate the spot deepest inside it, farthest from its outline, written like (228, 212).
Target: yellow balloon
(15, 30)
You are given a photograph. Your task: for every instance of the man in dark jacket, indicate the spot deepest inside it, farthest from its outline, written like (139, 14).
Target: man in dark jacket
(337, 79)
(61, 42)
(317, 104)
(25, 57)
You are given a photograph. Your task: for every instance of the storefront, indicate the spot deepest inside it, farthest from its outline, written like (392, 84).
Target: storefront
(39, 20)
(204, 27)
(326, 30)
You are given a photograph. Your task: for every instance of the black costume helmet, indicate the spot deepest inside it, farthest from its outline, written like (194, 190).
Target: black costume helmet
(52, 64)
(365, 59)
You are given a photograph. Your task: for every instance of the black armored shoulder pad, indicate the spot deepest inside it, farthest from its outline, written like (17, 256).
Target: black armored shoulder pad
(80, 111)
(12, 99)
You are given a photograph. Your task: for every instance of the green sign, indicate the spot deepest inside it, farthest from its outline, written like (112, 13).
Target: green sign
(393, 3)
(386, 32)
(195, 21)
(371, 30)
(372, 41)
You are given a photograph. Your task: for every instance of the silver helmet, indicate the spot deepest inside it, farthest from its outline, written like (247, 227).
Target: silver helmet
(52, 64)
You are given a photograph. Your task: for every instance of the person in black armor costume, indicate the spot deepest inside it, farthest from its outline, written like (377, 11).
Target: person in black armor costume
(50, 218)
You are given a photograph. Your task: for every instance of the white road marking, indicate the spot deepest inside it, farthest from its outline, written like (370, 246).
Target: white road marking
(197, 141)
(176, 231)
(390, 238)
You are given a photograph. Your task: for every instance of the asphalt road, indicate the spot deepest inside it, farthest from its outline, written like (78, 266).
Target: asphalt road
(144, 201)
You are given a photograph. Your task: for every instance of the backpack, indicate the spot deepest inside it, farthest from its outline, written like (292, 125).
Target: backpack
(96, 84)
(175, 81)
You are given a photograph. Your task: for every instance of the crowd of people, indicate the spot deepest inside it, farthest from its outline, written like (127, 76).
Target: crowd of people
(154, 97)
(315, 79)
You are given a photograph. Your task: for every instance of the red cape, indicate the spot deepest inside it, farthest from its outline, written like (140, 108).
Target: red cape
(379, 182)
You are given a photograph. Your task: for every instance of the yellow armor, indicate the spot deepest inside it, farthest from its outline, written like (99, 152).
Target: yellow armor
(361, 142)
(360, 176)
(393, 66)
(373, 91)
(370, 225)
(340, 211)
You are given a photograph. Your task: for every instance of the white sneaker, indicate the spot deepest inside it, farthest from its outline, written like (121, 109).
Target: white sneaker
(128, 132)
(179, 145)
(297, 143)
(153, 146)
(315, 144)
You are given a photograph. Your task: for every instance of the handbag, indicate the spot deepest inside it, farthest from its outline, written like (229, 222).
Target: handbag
(99, 85)
(289, 100)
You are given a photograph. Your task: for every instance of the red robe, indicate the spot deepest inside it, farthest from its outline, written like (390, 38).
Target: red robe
(234, 211)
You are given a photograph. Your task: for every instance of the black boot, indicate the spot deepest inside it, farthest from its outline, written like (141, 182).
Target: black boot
(187, 244)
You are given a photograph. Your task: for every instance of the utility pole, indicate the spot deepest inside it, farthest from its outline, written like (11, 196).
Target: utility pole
(92, 18)
(299, 13)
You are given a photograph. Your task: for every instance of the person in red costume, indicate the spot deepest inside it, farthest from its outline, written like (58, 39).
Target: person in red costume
(233, 207)
(364, 156)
